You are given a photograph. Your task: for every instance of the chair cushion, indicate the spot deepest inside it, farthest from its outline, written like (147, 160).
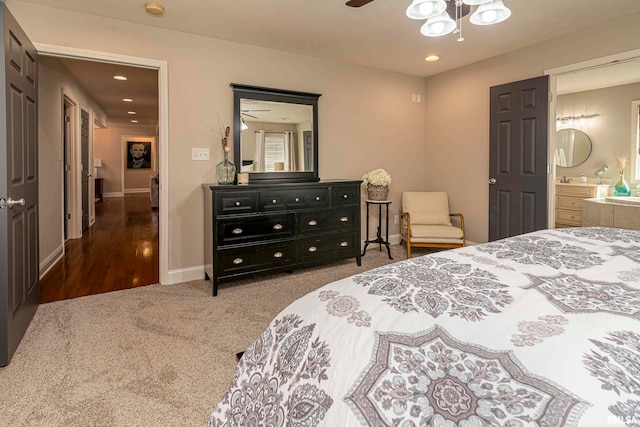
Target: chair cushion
(419, 231)
(430, 208)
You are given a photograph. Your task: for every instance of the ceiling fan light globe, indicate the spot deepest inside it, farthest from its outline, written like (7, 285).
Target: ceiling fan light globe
(492, 12)
(438, 26)
(425, 9)
(474, 2)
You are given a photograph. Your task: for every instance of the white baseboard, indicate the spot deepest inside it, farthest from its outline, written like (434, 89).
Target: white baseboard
(185, 275)
(51, 260)
(394, 239)
(114, 194)
(136, 190)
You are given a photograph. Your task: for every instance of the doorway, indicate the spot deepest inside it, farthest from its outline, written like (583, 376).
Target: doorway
(605, 72)
(162, 131)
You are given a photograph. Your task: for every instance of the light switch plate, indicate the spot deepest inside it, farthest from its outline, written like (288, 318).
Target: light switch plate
(199, 154)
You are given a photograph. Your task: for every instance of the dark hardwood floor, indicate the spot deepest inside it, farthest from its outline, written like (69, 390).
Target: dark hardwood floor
(119, 251)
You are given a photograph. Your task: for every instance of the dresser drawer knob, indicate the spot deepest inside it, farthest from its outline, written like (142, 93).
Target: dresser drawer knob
(317, 198)
(274, 201)
(238, 261)
(345, 196)
(313, 222)
(344, 219)
(297, 199)
(237, 231)
(238, 203)
(344, 244)
(312, 249)
(277, 227)
(278, 255)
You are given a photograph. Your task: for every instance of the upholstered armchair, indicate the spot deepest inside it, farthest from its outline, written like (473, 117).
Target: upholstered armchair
(425, 221)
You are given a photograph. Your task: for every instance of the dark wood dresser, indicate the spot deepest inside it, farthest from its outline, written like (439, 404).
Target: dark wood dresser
(259, 228)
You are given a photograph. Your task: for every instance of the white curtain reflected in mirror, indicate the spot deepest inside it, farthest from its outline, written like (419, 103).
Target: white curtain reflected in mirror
(573, 147)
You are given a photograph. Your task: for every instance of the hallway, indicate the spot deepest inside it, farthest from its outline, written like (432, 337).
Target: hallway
(119, 251)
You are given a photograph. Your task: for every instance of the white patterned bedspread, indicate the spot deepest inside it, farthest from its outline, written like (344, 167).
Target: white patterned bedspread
(538, 329)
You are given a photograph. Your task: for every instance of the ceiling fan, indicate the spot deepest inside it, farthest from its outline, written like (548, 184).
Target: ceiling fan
(451, 7)
(445, 16)
(244, 113)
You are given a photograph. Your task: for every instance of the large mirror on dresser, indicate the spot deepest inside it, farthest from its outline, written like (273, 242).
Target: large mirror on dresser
(275, 134)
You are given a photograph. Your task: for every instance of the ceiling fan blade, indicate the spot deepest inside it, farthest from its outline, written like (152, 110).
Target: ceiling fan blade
(357, 3)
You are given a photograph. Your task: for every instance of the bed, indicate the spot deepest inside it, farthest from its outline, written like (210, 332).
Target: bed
(537, 329)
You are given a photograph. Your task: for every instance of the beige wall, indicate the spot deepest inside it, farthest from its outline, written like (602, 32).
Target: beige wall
(610, 132)
(366, 117)
(55, 82)
(111, 150)
(457, 109)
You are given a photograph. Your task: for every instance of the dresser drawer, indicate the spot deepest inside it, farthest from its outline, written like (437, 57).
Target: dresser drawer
(294, 198)
(236, 202)
(575, 191)
(316, 248)
(569, 203)
(254, 258)
(568, 217)
(345, 195)
(255, 228)
(342, 219)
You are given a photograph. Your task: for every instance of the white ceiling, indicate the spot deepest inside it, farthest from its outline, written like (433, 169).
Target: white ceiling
(377, 35)
(615, 74)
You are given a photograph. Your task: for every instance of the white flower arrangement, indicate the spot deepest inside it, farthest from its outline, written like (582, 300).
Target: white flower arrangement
(376, 177)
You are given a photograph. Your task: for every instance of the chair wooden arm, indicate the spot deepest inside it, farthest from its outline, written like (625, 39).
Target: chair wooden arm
(461, 218)
(404, 216)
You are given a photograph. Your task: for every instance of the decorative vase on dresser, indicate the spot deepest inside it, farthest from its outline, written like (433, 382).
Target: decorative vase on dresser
(225, 171)
(265, 228)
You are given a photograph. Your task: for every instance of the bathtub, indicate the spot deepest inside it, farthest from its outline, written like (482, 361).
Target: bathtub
(623, 200)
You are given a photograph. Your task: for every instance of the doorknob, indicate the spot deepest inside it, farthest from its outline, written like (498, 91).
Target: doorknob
(9, 203)
(492, 181)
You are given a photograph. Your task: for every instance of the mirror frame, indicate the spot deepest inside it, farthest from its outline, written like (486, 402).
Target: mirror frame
(588, 154)
(275, 95)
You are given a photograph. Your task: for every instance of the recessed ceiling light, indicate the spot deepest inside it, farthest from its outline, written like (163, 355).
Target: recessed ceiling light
(127, 99)
(134, 121)
(154, 9)
(131, 112)
(120, 78)
(432, 58)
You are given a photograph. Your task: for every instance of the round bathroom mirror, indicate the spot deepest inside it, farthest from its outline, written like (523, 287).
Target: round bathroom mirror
(573, 147)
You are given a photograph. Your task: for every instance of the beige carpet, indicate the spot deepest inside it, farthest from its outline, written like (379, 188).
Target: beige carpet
(156, 355)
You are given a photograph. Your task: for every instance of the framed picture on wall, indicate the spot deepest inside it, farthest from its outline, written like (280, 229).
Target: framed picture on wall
(138, 155)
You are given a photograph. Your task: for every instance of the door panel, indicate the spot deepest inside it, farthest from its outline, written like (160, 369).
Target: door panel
(518, 157)
(19, 285)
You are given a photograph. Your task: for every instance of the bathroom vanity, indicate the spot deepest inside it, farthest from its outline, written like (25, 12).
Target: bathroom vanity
(569, 200)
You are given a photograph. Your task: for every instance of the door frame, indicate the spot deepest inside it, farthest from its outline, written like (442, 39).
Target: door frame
(553, 73)
(163, 129)
(73, 231)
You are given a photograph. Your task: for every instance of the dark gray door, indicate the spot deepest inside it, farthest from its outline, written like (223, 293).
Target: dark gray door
(84, 153)
(19, 286)
(518, 157)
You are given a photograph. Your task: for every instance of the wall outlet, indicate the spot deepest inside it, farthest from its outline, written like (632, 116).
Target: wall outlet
(199, 154)
(396, 219)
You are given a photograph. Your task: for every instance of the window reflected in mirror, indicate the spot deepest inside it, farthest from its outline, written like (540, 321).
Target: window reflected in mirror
(276, 136)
